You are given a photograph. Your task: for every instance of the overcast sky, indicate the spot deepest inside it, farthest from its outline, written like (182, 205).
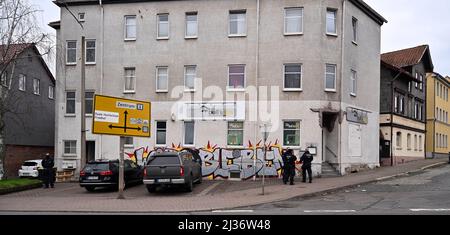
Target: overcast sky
(411, 23)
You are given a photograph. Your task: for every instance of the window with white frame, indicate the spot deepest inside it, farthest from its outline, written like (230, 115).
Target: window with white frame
(237, 23)
(89, 102)
(161, 132)
(71, 53)
(128, 142)
(355, 29)
(421, 82)
(191, 25)
(189, 133)
(162, 79)
(353, 79)
(235, 135)
(4, 78)
(437, 140)
(291, 133)
(190, 72)
(22, 82)
(236, 76)
(331, 21)
(163, 26)
(330, 77)
(81, 16)
(130, 27)
(36, 86)
(292, 77)
(70, 147)
(130, 80)
(396, 103)
(51, 92)
(70, 102)
(293, 20)
(416, 83)
(90, 51)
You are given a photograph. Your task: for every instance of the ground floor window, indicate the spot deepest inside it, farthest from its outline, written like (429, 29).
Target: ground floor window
(161, 129)
(235, 134)
(291, 133)
(398, 140)
(188, 133)
(70, 147)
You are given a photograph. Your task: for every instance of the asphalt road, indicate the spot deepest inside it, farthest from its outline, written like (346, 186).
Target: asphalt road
(427, 192)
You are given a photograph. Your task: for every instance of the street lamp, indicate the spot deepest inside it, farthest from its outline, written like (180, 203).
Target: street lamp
(265, 130)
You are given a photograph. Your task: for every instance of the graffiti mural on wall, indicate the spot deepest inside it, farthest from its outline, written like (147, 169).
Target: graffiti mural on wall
(218, 162)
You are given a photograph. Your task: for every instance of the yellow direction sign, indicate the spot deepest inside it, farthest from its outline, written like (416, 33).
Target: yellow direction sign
(124, 117)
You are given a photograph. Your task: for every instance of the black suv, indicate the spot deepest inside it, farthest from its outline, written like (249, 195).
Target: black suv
(105, 173)
(173, 168)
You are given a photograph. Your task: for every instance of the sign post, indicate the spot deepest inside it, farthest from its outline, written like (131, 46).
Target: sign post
(121, 117)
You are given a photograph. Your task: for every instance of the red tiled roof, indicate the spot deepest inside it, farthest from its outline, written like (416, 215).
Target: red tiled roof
(10, 52)
(405, 57)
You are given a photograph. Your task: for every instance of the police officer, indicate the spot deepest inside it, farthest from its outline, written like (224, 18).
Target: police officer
(47, 164)
(306, 159)
(288, 166)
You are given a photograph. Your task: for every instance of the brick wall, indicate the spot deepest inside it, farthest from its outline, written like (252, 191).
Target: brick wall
(17, 154)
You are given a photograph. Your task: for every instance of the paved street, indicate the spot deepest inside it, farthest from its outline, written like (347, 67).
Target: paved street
(407, 188)
(421, 193)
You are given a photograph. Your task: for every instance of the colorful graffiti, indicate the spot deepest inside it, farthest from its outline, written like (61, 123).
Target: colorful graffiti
(217, 162)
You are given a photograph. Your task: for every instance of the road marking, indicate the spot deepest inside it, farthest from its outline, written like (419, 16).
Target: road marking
(209, 188)
(232, 211)
(329, 211)
(440, 209)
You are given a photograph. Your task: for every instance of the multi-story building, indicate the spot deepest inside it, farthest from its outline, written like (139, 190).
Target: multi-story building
(317, 62)
(402, 104)
(438, 108)
(27, 89)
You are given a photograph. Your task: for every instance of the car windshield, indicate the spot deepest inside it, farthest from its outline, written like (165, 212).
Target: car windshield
(30, 164)
(103, 166)
(164, 160)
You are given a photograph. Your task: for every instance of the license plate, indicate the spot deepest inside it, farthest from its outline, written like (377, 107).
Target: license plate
(92, 177)
(25, 173)
(164, 180)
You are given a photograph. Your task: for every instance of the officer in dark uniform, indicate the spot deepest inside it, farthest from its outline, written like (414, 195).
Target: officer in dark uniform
(288, 166)
(306, 159)
(48, 177)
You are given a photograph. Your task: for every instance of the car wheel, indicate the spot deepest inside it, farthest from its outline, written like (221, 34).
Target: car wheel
(189, 186)
(151, 188)
(90, 188)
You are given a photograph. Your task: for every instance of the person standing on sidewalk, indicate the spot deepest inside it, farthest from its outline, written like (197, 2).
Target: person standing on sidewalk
(306, 160)
(48, 165)
(288, 166)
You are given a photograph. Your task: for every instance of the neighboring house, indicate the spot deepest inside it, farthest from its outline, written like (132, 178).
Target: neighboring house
(402, 104)
(320, 58)
(28, 93)
(438, 108)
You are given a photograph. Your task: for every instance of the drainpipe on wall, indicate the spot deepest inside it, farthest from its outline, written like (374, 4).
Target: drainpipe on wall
(340, 119)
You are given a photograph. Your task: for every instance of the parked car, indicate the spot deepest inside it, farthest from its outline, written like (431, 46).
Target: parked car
(30, 168)
(172, 168)
(105, 173)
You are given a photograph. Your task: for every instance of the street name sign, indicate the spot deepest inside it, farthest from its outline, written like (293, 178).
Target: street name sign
(123, 117)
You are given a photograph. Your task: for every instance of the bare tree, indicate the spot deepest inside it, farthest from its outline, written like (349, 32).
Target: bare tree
(18, 30)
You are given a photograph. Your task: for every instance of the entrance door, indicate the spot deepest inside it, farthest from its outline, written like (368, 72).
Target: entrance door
(90, 151)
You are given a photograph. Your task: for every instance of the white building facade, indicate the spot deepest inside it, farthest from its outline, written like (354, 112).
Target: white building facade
(200, 62)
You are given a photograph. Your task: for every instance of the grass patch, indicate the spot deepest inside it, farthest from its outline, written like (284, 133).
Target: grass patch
(13, 183)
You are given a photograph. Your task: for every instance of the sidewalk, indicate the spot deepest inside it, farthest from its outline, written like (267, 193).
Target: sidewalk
(213, 195)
